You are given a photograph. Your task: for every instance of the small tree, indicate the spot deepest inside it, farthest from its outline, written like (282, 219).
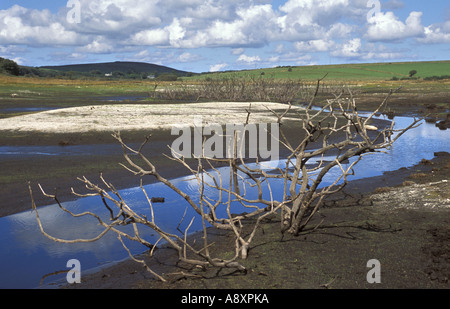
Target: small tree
(412, 73)
(9, 66)
(337, 127)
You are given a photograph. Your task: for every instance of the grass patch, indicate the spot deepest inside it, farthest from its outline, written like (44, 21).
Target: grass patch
(343, 72)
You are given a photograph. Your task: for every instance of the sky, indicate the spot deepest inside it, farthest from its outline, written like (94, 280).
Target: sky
(218, 35)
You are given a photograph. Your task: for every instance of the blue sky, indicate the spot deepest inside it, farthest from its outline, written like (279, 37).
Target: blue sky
(211, 35)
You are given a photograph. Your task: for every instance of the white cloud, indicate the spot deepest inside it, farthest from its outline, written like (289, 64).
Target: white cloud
(171, 29)
(188, 57)
(436, 34)
(248, 59)
(237, 51)
(229, 23)
(22, 26)
(151, 37)
(251, 27)
(117, 18)
(217, 67)
(340, 30)
(19, 60)
(351, 49)
(98, 46)
(274, 59)
(314, 46)
(164, 57)
(387, 27)
(356, 50)
(222, 33)
(324, 13)
(176, 32)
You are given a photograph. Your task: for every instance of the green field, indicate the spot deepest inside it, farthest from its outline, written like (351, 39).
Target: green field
(345, 72)
(368, 79)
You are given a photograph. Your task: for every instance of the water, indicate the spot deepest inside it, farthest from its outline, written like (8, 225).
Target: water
(27, 256)
(26, 109)
(120, 98)
(113, 99)
(71, 150)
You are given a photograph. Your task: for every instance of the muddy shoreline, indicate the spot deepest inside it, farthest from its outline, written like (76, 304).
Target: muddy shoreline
(60, 173)
(413, 246)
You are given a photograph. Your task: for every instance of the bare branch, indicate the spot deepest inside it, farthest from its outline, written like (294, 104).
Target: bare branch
(336, 130)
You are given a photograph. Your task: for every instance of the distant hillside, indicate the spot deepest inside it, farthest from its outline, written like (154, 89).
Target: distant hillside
(339, 72)
(118, 66)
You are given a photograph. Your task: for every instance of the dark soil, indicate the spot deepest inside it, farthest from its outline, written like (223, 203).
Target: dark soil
(59, 173)
(434, 106)
(412, 245)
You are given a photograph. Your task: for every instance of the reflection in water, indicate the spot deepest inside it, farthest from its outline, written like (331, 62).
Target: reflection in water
(27, 256)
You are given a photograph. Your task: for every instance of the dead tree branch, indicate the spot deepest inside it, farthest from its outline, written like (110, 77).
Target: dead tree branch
(339, 130)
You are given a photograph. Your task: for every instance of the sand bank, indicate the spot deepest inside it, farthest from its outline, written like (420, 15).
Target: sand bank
(128, 117)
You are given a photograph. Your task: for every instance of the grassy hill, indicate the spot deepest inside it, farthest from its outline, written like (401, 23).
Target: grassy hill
(118, 66)
(345, 72)
(341, 72)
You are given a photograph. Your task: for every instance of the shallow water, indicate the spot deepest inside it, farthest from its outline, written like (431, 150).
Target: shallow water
(27, 256)
(120, 98)
(74, 150)
(26, 109)
(114, 99)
